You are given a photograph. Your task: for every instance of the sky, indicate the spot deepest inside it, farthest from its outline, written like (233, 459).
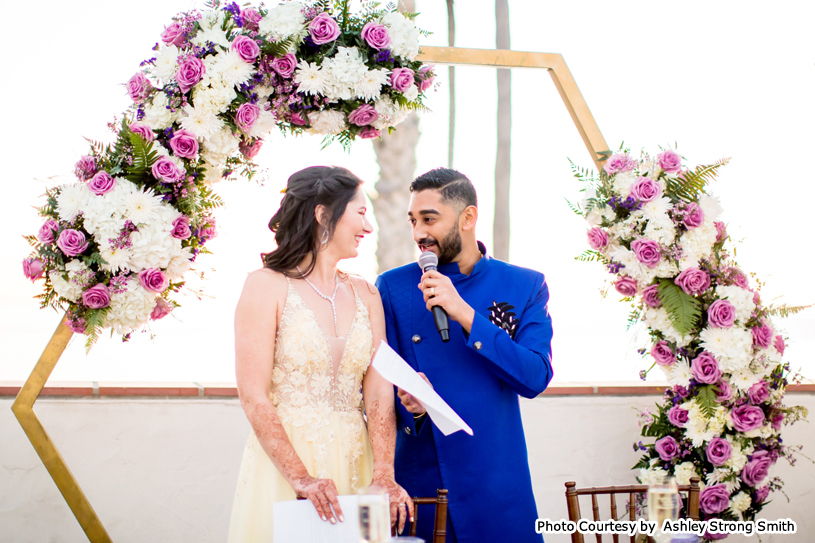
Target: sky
(717, 79)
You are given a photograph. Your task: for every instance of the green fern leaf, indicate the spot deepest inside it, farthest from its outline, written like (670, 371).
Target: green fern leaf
(785, 311)
(589, 256)
(706, 398)
(684, 310)
(575, 208)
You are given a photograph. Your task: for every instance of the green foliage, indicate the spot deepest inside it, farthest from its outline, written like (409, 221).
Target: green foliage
(644, 463)
(93, 325)
(706, 398)
(634, 317)
(280, 48)
(693, 183)
(574, 207)
(785, 311)
(589, 255)
(143, 158)
(684, 310)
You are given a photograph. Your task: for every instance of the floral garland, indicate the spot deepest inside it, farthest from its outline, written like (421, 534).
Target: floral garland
(656, 230)
(117, 243)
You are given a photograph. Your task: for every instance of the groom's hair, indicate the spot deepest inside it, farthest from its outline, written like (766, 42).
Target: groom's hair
(453, 186)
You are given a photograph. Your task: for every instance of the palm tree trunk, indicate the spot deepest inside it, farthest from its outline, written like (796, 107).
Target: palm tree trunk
(500, 229)
(451, 72)
(396, 156)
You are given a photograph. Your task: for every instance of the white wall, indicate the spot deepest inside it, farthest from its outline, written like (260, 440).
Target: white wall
(164, 470)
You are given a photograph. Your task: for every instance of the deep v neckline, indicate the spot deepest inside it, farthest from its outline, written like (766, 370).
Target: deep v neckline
(325, 337)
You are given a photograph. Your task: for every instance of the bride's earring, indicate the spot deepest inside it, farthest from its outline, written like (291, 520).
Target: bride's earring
(324, 239)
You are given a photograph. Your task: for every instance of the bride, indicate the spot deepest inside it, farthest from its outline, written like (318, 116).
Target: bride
(304, 338)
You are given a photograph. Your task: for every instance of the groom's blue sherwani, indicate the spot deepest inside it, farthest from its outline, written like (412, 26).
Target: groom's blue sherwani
(481, 377)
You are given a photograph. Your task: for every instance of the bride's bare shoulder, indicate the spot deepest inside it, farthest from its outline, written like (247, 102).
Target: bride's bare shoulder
(265, 283)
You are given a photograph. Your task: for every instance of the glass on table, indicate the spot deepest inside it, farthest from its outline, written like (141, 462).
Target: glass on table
(374, 516)
(663, 504)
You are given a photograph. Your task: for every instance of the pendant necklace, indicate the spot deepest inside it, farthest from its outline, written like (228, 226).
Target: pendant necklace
(323, 296)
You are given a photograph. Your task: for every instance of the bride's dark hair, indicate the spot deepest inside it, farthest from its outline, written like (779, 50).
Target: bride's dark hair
(296, 229)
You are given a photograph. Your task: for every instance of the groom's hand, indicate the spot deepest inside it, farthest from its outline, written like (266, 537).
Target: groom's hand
(438, 290)
(410, 402)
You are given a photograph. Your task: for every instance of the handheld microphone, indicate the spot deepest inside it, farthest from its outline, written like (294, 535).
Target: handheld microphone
(428, 261)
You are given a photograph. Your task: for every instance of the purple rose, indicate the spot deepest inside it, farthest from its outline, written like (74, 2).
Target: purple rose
(714, 499)
(647, 251)
(619, 163)
(724, 391)
(166, 171)
(777, 420)
(663, 354)
(96, 297)
(184, 144)
(650, 295)
(250, 149)
(72, 242)
(426, 76)
(298, 119)
(141, 129)
(626, 285)
(667, 447)
(181, 227)
(762, 493)
(85, 168)
(678, 416)
(402, 79)
(598, 238)
(670, 161)
(161, 310)
(246, 47)
(154, 280)
(323, 29)
(705, 369)
(756, 470)
(759, 392)
(694, 216)
(363, 115)
(376, 35)
(246, 116)
(721, 231)
(778, 342)
(693, 281)
(737, 277)
(49, 228)
(762, 335)
(645, 189)
(747, 417)
(718, 451)
(251, 18)
(208, 231)
(285, 66)
(173, 35)
(369, 132)
(33, 268)
(189, 73)
(101, 183)
(721, 314)
(139, 87)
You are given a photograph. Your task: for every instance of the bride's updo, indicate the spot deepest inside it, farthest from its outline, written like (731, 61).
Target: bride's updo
(296, 229)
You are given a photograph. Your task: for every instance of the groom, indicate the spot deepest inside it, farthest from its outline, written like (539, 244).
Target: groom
(499, 348)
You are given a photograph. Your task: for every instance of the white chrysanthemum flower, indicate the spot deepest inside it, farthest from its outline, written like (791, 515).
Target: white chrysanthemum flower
(72, 200)
(179, 264)
(699, 429)
(743, 379)
(141, 206)
(684, 471)
(310, 78)
(283, 21)
(651, 475)
(719, 475)
(264, 124)
(732, 347)
(740, 502)
(678, 373)
(738, 457)
(220, 146)
(710, 207)
(390, 113)
(404, 35)
(232, 69)
(166, 64)
(741, 299)
(213, 35)
(622, 181)
(131, 309)
(201, 122)
(327, 122)
(369, 86)
(67, 289)
(117, 259)
(656, 210)
(412, 93)
(157, 116)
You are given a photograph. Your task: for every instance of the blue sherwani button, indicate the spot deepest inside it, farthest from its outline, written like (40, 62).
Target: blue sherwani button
(407, 430)
(416, 338)
(477, 345)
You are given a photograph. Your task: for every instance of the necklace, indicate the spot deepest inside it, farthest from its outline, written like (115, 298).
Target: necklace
(323, 296)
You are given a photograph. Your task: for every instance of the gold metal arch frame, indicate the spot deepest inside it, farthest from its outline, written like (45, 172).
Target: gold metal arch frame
(23, 406)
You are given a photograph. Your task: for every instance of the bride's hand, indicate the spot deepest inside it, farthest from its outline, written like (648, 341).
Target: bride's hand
(400, 503)
(322, 493)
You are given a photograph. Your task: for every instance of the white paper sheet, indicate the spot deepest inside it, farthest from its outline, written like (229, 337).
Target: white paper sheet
(298, 522)
(393, 368)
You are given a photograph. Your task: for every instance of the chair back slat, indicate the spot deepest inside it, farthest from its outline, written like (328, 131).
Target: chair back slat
(632, 512)
(573, 507)
(614, 537)
(440, 522)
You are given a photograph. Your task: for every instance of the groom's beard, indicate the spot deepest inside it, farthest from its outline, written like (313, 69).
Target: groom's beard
(449, 246)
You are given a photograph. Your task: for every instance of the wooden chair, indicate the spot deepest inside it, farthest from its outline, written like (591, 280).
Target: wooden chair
(440, 524)
(573, 504)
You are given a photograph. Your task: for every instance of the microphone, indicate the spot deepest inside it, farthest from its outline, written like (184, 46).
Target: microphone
(428, 261)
